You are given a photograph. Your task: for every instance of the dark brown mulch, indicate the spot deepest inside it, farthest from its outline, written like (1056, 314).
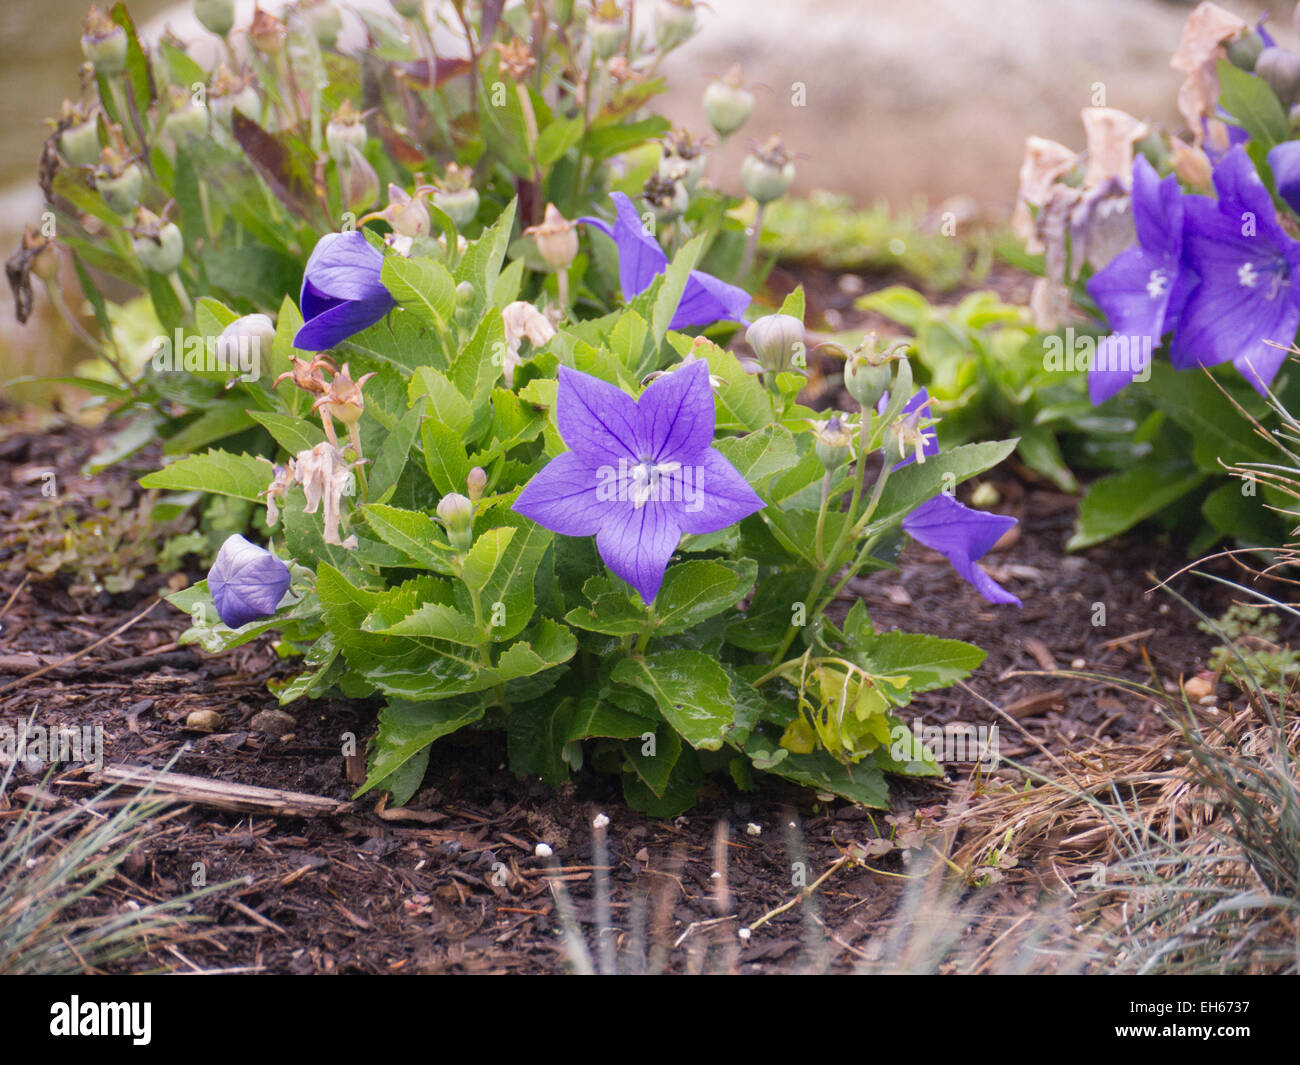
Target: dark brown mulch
(453, 886)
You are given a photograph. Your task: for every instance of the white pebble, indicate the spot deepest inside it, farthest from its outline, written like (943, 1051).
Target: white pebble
(1078, 663)
(542, 851)
(753, 829)
(601, 821)
(744, 934)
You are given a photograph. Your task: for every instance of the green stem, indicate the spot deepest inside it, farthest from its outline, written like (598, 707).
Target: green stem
(55, 291)
(821, 516)
(174, 279)
(751, 246)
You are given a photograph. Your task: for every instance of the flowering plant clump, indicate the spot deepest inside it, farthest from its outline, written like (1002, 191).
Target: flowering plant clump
(490, 470)
(1184, 247)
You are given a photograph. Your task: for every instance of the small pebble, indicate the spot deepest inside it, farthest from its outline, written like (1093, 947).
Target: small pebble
(203, 721)
(753, 829)
(601, 821)
(542, 851)
(275, 723)
(744, 934)
(1078, 663)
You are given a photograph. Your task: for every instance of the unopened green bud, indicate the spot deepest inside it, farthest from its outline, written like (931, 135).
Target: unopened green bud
(1280, 68)
(777, 340)
(834, 442)
(768, 172)
(456, 512)
(674, 22)
(104, 44)
(358, 181)
(216, 16)
(1243, 51)
(476, 482)
(727, 103)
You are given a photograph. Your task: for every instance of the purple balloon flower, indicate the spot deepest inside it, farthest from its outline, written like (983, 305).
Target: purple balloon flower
(341, 291)
(246, 582)
(1245, 262)
(1142, 290)
(706, 299)
(919, 405)
(640, 473)
(1284, 161)
(964, 536)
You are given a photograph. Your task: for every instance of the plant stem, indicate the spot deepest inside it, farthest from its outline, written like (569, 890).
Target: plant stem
(174, 279)
(55, 292)
(751, 246)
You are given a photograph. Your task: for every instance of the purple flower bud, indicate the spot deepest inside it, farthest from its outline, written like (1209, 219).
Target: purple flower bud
(246, 582)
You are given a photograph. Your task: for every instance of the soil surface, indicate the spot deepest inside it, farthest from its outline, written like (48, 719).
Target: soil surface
(451, 882)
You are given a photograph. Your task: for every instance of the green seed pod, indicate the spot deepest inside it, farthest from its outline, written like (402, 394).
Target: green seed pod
(324, 21)
(834, 442)
(187, 123)
(408, 8)
(104, 44)
(607, 30)
(121, 190)
(777, 340)
(674, 22)
(866, 377)
(765, 177)
(161, 253)
(79, 144)
(727, 104)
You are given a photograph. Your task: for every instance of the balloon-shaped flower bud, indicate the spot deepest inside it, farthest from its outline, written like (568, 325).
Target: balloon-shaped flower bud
(727, 103)
(346, 128)
(406, 212)
(157, 244)
(476, 483)
(216, 16)
(187, 121)
(104, 44)
(674, 22)
(767, 172)
(1280, 68)
(78, 135)
(246, 582)
(457, 196)
(456, 512)
(556, 237)
(243, 341)
(777, 340)
(323, 19)
(606, 29)
(358, 182)
(118, 181)
(833, 442)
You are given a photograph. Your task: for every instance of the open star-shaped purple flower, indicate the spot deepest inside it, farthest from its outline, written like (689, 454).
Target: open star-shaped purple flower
(1247, 267)
(640, 473)
(341, 291)
(706, 299)
(914, 410)
(1142, 290)
(246, 582)
(964, 536)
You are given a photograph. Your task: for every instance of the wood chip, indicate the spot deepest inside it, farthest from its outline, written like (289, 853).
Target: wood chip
(1033, 705)
(1042, 655)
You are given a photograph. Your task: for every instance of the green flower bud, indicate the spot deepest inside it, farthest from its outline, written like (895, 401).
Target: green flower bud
(216, 16)
(1280, 68)
(777, 340)
(727, 104)
(1243, 51)
(345, 129)
(834, 442)
(456, 512)
(408, 8)
(104, 44)
(767, 173)
(674, 22)
(157, 244)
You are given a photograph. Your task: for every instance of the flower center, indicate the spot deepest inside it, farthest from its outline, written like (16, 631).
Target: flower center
(645, 480)
(1157, 284)
(1246, 276)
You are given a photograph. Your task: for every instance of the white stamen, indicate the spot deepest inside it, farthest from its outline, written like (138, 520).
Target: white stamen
(1246, 276)
(1157, 284)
